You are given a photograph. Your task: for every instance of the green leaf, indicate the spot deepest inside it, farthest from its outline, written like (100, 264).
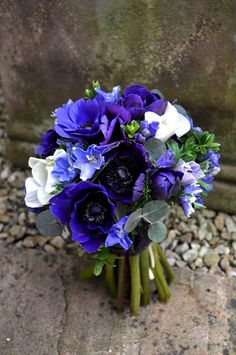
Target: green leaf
(131, 128)
(158, 93)
(154, 148)
(101, 261)
(181, 110)
(174, 147)
(157, 232)
(98, 267)
(198, 206)
(91, 93)
(153, 211)
(133, 220)
(47, 224)
(121, 210)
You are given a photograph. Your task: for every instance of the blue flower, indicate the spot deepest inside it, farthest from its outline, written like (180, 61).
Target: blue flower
(110, 96)
(191, 172)
(190, 194)
(88, 161)
(166, 160)
(165, 183)
(148, 130)
(122, 172)
(213, 158)
(115, 116)
(63, 168)
(48, 144)
(80, 119)
(88, 211)
(118, 235)
(138, 100)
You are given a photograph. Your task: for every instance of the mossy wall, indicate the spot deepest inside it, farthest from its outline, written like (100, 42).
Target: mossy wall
(51, 50)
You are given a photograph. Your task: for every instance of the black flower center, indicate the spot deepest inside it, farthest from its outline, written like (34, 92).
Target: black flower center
(94, 212)
(121, 175)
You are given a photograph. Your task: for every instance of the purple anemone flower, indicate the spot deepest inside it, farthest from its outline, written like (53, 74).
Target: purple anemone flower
(115, 116)
(48, 144)
(80, 119)
(122, 173)
(88, 211)
(118, 235)
(165, 183)
(138, 100)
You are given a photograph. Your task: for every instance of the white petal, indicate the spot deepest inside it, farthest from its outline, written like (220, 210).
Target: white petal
(40, 173)
(183, 126)
(151, 117)
(170, 113)
(59, 153)
(163, 132)
(31, 198)
(32, 161)
(43, 196)
(51, 180)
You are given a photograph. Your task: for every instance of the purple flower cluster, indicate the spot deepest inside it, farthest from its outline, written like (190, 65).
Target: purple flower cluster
(114, 149)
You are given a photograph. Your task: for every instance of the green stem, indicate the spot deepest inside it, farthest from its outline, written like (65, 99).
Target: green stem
(87, 273)
(110, 276)
(165, 264)
(135, 285)
(144, 269)
(121, 285)
(160, 276)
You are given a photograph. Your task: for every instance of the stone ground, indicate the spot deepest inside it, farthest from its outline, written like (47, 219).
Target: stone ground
(45, 309)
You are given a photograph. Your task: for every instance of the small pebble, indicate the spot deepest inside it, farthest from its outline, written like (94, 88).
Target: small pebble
(29, 242)
(190, 255)
(219, 222)
(211, 258)
(222, 249)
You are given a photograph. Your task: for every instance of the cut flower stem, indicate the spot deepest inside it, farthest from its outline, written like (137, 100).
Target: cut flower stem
(144, 270)
(121, 284)
(110, 276)
(135, 285)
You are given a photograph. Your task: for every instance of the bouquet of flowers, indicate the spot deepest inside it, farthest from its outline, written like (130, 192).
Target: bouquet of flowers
(107, 172)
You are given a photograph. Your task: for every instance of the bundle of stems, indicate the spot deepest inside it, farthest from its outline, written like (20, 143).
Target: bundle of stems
(131, 276)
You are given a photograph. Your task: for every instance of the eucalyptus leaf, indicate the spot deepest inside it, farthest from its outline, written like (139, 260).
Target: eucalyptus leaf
(154, 210)
(47, 224)
(98, 267)
(121, 210)
(158, 92)
(181, 110)
(154, 147)
(133, 220)
(157, 232)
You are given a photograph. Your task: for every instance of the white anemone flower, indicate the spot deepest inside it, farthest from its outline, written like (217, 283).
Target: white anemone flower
(170, 123)
(40, 186)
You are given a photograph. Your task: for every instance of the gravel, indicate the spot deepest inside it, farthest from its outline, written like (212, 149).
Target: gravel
(206, 241)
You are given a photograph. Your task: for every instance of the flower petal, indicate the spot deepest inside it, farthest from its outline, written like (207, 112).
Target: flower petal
(31, 198)
(39, 173)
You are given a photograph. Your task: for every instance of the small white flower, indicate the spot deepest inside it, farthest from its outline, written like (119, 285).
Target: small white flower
(40, 186)
(170, 123)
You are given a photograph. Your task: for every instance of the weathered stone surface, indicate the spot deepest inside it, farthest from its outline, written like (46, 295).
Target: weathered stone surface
(45, 309)
(222, 198)
(49, 51)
